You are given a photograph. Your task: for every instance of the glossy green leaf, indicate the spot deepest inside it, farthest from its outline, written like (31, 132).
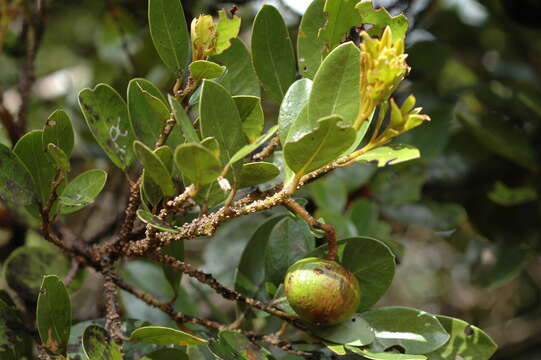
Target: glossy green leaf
(98, 345)
(148, 113)
(289, 241)
(53, 316)
(373, 264)
(155, 168)
(240, 77)
(248, 149)
(82, 190)
(202, 69)
(384, 355)
(15, 181)
(106, 115)
(197, 163)
(256, 173)
(415, 331)
(176, 250)
(166, 354)
(26, 266)
(155, 222)
(58, 130)
(251, 115)
(221, 120)
(354, 331)
(33, 154)
(272, 52)
(503, 195)
(319, 147)
(212, 145)
(467, 342)
(183, 121)
(336, 86)
(59, 157)
(390, 154)
(380, 18)
(160, 335)
(250, 274)
(340, 18)
(233, 345)
(310, 47)
(294, 101)
(150, 191)
(169, 33)
(226, 30)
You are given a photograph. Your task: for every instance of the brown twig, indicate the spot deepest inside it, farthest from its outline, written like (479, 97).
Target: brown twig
(73, 271)
(220, 289)
(268, 149)
(113, 323)
(8, 122)
(329, 230)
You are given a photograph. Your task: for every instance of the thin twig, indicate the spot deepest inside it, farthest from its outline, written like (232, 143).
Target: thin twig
(268, 149)
(329, 230)
(113, 323)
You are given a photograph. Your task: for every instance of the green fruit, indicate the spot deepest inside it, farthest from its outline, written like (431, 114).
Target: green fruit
(322, 291)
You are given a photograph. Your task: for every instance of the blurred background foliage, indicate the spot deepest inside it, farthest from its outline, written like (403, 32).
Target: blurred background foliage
(465, 217)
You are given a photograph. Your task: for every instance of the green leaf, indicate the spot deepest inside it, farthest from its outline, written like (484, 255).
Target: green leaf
(186, 126)
(33, 154)
(341, 17)
(503, 195)
(150, 191)
(289, 241)
(384, 355)
(176, 250)
(25, 267)
(256, 173)
(212, 145)
(501, 139)
(390, 154)
(250, 274)
(155, 168)
(467, 342)
(380, 18)
(148, 113)
(233, 345)
(220, 119)
(251, 115)
(336, 86)
(15, 181)
(373, 264)
(107, 118)
(166, 354)
(354, 331)
(294, 101)
(59, 131)
(169, 33)
(15, 342)
(97, 345)
(202, 69)
(82, 190)
(310, 47)
(160, 335)
(415, 331)
(53, 316)
(272, 52)
(240, 78)
(319, 147)
(155, 222)
(197, 163)
(248, 149)
(59, 157)
(226, 30)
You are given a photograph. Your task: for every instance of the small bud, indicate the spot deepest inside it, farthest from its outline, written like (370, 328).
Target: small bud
(224, 184)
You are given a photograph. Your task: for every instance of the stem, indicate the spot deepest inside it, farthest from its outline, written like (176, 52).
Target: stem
(329, 230)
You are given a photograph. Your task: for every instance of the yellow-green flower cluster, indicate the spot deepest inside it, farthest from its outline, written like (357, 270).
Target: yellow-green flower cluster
(383, 67)
(203, 31)
(404, 118)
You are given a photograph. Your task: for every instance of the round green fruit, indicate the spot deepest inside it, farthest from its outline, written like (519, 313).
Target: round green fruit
(322, 291)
